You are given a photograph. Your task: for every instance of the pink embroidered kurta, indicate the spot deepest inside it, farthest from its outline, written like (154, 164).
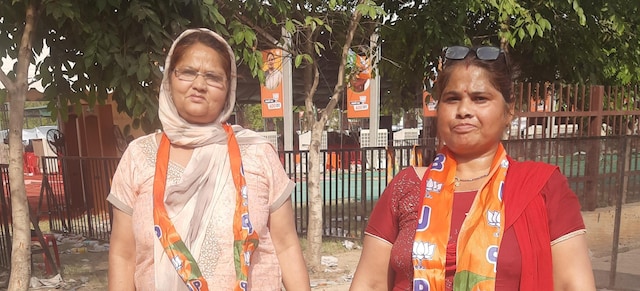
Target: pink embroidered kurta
(269, 187)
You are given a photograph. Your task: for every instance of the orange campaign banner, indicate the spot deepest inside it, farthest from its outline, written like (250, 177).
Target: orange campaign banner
(429, 104)
(271, 93)
(536, 104)
(359, 91)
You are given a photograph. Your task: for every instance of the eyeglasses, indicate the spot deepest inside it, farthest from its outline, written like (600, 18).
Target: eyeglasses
(485, 53)
(212, 79)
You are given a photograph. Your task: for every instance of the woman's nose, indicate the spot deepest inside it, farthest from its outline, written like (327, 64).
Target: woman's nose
(199, 82)
(464, 108)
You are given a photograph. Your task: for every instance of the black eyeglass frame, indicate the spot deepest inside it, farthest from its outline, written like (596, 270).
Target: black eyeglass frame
(485, 53)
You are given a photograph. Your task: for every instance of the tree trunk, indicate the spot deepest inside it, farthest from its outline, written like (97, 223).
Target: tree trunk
(317, 124)
(315, 226)
(21, 252)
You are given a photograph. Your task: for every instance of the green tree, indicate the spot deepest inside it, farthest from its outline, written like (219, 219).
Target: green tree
(570, 41)
(315, 30)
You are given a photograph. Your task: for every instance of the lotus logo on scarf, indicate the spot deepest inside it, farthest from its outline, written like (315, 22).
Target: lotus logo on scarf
(247, 258)
(493, 218)
(433, 186)
(176, 262)
(423, 251)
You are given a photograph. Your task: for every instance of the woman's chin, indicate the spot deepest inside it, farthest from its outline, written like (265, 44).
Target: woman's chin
(197, 119)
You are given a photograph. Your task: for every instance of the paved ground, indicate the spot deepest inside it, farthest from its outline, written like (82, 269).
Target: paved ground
(628, 271)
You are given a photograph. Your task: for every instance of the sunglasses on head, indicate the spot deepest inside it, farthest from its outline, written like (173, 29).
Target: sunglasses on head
(485, 53)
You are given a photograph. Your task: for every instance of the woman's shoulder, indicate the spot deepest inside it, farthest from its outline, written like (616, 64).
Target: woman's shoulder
(411, 173)
(143, 140)
(530, 166)
(142, 147)
(407, 181)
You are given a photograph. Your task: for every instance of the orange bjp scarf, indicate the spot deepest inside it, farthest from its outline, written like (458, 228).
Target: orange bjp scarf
(480, 235)
(245, 238)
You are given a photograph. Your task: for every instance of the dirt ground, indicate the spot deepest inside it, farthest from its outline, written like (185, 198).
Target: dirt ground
(85, 267)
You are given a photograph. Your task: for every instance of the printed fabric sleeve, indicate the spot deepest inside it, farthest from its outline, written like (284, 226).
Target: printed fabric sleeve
(563, 209)
(383, 221)
(122, 192)
(280, 185)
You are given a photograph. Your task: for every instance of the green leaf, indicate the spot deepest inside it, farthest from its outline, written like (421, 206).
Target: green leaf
(219, 16)
(319, 47)
(531, 28)
(249, 37)
(238, 37)
(332, 4)
(521, 33)
(308, 58)
(289, 26)
(298, 61)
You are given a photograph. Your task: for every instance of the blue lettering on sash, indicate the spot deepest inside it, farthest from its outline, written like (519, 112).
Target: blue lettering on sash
(425, 218)
(195, 285)
(500, 191)
(438, 162)
(244, 285)
(246, 224)
(492, 256)
(421, 285)
(158, 230)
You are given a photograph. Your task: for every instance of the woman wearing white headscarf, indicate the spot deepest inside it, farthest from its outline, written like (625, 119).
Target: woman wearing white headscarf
(203, 205)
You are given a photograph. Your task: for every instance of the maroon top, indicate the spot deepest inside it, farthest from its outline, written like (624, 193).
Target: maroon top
(395, 217)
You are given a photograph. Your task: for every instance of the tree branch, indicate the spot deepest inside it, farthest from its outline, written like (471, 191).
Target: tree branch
(353, 24)
(6, 82)
(246, 21)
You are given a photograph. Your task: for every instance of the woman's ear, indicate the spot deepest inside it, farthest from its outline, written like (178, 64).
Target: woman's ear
(511, 113)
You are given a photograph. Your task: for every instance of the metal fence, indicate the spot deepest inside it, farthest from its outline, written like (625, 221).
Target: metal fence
(76, 189)
(599, 170)
(5, 218)
(604, 172)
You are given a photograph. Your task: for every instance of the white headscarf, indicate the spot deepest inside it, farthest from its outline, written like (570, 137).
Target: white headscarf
(181, 132)
(208, 169)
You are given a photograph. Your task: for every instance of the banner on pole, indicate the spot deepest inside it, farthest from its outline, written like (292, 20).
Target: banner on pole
(429, 104)
(358, 89)
(271, 92)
